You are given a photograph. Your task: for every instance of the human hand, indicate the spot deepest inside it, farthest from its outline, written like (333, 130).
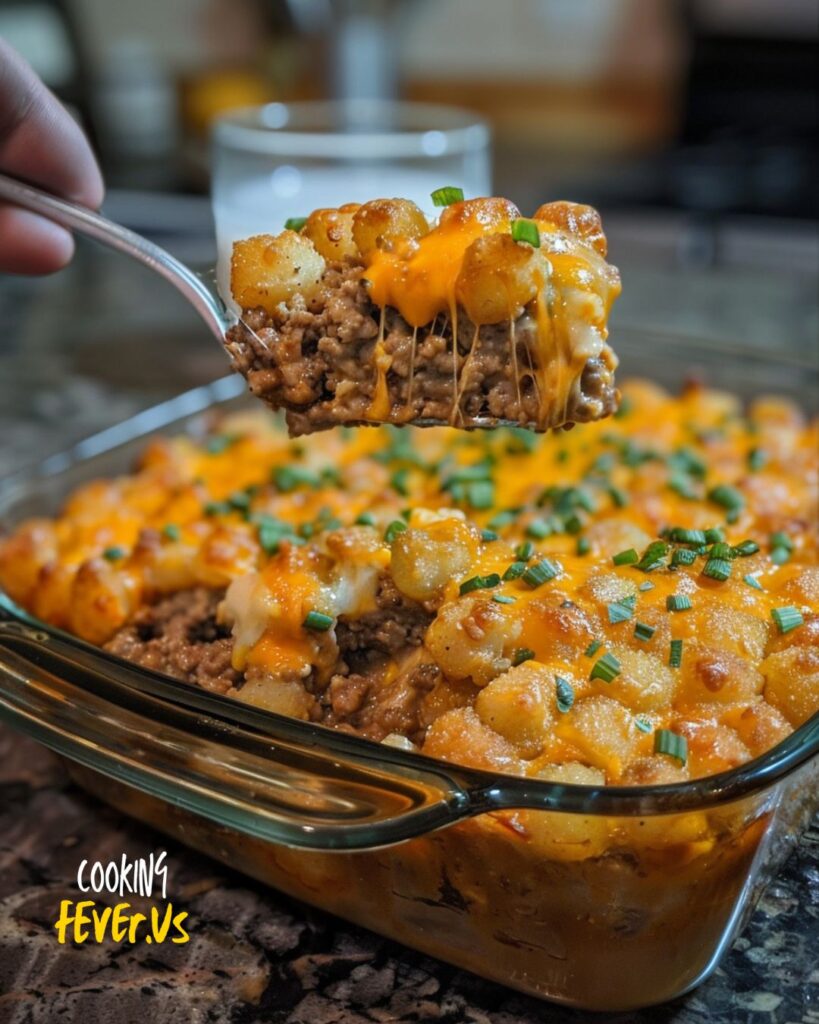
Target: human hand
(42, 144)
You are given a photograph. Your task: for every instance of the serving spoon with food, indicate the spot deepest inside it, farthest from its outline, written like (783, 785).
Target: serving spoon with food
(367, 314)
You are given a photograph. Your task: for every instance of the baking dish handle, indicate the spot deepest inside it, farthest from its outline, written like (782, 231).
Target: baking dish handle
(74, 700)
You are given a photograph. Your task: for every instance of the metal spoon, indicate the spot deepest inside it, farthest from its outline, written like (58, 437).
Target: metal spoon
(86, 222)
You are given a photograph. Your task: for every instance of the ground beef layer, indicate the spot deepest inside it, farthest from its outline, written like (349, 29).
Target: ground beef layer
(180, 636)
(317, 362)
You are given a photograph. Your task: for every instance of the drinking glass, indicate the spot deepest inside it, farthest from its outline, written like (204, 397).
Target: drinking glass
(284, 160)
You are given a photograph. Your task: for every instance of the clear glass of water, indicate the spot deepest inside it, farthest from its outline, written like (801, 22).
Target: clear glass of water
(285, 160)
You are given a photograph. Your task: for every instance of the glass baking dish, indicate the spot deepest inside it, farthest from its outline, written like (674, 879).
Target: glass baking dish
(628, 897)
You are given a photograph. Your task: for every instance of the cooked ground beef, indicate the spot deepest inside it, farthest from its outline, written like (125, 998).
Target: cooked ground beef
(179, 635)
(317, 363)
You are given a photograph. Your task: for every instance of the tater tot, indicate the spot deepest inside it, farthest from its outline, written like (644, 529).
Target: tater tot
(518, 705)
(424, 560)
(576, 218)
(498, 277)
(381, 222)
(266, 270)
(331, 231)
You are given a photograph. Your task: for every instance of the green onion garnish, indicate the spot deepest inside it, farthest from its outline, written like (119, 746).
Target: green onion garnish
(682, 536)
(717, 569)
(620, 611)
(683, 556)
(294, 223)
(504, 518)
(288, 478)
(628, 557)
(216, 508)
(618, 496)
(573, 523)
(643, 724)
(365, 519)
(480, 583)
(487, 536)
(675, 655)
(583, 545)
(504, 598)
(728, 497)
(779, 556)
(480, 494)
(220, 442)
(787, 618)
(671, 743)
(541, 573)
(684, 486)
(565, 694)
(171, 531)
(398, 481)
(745, 548)
(396, 526)
(539, 529)
(525, 551)
(643, 631)
(318, 621)
(752, 581)
(447, 195)
(714, 535)
(648, 585)
(593, 648)
(653, 556)
(113, 554)
(522, 654)
(678, 602)
(756, 459)
(515, 571)
(526, 231)
(606, 668)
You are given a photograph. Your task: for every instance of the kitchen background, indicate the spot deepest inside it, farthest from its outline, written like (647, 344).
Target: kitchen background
(692, 124)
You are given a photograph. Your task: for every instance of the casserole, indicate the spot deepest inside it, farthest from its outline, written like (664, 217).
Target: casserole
(428, 858)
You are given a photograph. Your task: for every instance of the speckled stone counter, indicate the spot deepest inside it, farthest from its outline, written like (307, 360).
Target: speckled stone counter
(78, 353)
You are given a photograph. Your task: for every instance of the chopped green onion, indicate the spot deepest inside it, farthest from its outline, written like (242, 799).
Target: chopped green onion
(365, 519)
(653, 556)
(714, 535)
(318, 621)
(779, 556)
(573, 524)
(787, 618)
(618, 496)
(480, 494)
(583, 545)
(294, 223)
(648, 585)
(526, 231)
(606, 668)
(752, 581)
(678, 602)
(626, 405)
(487, 536)
(396, 526)
(643, 724)
(216, 508)
(671, 743)
(240, 500)
(398, 481)
(620, 611)
(522, 654)
(745, 548)
(504, 598)
(480, 583)
(565, 694)
(539, 529)
(220, 442)
(643, 631)
(593, 648)
(721, 550)
(684, 486)
(515, 571)
(628, 557)
(541, 573)
(113, 554)
(781, 540)
(288, 478)
(525, 551)
(728, 497)
(717, 569)
(756, 459)
(447, 195)
(171, 531)
(675, 655)
(505, 518)
(683, 556)
(682, 536)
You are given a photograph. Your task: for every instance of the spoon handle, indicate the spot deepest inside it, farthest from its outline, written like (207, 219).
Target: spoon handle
(87, 222)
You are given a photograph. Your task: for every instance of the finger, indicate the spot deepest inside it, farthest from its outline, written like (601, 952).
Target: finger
(32, 245)
(39, 140)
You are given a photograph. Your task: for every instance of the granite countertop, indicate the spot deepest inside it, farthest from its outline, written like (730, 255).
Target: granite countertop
(254, 954)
